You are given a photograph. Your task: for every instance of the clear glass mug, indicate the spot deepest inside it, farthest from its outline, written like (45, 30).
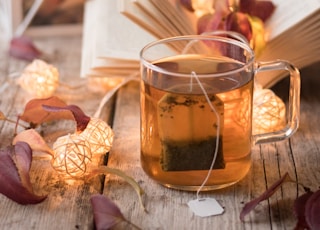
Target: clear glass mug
(196, 110)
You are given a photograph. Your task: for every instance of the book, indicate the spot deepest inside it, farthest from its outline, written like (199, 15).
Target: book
(293, 34)
(116, 31)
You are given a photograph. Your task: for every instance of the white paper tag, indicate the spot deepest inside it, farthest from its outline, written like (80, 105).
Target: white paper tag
(205, 207)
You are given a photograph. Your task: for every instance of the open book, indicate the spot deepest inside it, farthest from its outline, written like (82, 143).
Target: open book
(116, 30)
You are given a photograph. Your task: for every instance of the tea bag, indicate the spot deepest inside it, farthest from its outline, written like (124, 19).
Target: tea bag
(188, 129)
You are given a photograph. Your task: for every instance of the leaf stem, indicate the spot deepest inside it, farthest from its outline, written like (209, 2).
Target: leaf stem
(128, 179)
(15, 122)
(132, 224)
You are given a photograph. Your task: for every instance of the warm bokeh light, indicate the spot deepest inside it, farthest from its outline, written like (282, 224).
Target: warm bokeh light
(72, 155)
(268, 112)
(39, 79)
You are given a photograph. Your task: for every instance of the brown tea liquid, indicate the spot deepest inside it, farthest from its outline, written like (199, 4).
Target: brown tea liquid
(179, 128)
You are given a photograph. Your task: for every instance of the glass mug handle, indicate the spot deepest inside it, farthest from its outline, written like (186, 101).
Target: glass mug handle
(293, 113)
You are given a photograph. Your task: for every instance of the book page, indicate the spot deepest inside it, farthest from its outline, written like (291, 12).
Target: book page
(108, 33)
(287, 14)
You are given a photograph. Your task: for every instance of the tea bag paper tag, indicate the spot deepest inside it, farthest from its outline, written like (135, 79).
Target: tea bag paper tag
(205, 207)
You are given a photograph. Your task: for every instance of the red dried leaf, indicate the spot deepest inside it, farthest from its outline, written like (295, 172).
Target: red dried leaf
(187, 4)
(312, 210)
(299, 210)
(245, 6)
(15, 162)
(35, 114)
(239, 22)
(81, 119)
(23, 48)
(260, 9)
(106, 213)
(268, 193)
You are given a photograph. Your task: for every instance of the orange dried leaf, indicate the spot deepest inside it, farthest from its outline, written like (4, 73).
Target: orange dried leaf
(35, 114)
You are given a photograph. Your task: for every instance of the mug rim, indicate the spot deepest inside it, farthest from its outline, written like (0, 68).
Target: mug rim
(233, 41)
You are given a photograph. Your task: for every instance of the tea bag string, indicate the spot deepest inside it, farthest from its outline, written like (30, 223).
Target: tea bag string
(194, 75)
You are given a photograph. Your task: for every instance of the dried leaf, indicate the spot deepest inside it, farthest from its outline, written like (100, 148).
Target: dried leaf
(246, 5)
(81, 119)
(268, 193)
(312, 210)
(15, 162)
(35, 114)
(106, 213)
(299, 210)
(239, 22)
(261, 9)
(23, 48)
(33, 138)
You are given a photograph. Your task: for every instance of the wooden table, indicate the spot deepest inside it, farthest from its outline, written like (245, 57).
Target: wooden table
(68, 205)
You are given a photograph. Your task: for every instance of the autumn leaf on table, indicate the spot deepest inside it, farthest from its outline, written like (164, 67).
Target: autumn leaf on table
(23, 48)
(79, 116)
(313, 210)
(106, 213)
(15, 162)
(35, 114)
(299, 210)
(267, 194)
(306, 207)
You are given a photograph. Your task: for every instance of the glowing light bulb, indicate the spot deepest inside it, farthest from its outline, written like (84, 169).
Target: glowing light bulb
(72, 156)
(99, 134)
(268, 112)
(39, 79)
